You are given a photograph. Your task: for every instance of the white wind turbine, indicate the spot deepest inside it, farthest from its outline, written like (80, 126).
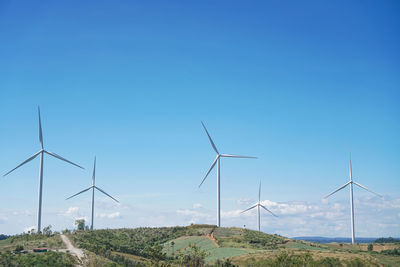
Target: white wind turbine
(217, 161)
(93, 186)
(41, 152)
(258, 205)
(351, 182)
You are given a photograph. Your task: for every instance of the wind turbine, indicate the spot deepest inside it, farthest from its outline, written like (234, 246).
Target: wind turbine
(258, 205)
(217, 161)
(93, 187)
(351, 182)
(41, 153)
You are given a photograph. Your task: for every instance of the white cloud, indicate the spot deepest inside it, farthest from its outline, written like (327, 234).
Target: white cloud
(72, 211)
(244, 201)
(338, 207)
(106, 204)
(25, 213)
(231, 214)
(381, 204)
(113, 215)
(197, 206)
(373, 216)
(194, 213)
(288, 208)
(189, 216)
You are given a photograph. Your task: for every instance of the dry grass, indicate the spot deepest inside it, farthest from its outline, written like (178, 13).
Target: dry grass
(52, 242)
(316, 254)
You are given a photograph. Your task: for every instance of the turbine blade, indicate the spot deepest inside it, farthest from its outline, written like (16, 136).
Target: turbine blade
(59, 157)
(94, 171)
(268, 210)
(26, 161)
(79, 192)
(363, 187)
(340, 188)
(350, 172)
(40, 130)
(105, 193)
(252, 207)
(212, 166)
(259, 193)
(237, 156)
(209, 137)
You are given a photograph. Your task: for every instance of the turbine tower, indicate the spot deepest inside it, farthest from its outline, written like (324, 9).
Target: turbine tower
(41, 153)
(351, 182)
(217, 161)
(258, 205)
(93, 187)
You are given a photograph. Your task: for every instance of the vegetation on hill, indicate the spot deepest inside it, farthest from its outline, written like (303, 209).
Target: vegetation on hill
(244, 238)
(138, 241)
(194, 245)
(395, 252)
(305, 259)
(55, 259)
(212, 251)
(17, 251)
(31, 241)
(150, 243)
(387, 240)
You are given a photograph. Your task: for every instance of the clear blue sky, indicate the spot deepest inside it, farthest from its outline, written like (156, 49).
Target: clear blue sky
(297, 84)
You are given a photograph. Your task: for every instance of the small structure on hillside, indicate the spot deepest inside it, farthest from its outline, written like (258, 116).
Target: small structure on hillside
(40, 249)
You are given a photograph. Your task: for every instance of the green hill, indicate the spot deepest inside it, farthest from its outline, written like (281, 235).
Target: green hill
(17, 251)
(194, 245)
(213, 251)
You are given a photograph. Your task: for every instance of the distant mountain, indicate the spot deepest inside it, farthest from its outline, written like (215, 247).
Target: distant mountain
(320, 239)
(2, 237)
(387, 240)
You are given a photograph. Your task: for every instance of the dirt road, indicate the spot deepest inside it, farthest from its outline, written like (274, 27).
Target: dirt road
(73, 250)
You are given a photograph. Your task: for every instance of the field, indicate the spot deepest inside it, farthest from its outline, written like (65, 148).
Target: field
(214, 252)
(206, 245)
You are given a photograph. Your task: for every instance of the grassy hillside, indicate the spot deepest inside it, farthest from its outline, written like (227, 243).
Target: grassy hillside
(213, 251)
(31, 241)
(244, 238)
(195, 245)
(11, 255)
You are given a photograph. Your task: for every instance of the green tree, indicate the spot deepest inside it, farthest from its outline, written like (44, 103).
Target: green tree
(47, 230)
(19, 248)
(172, 244)
(193, 256)
(80, 224)
(370, 247)
(226, 263)
(155, 253)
